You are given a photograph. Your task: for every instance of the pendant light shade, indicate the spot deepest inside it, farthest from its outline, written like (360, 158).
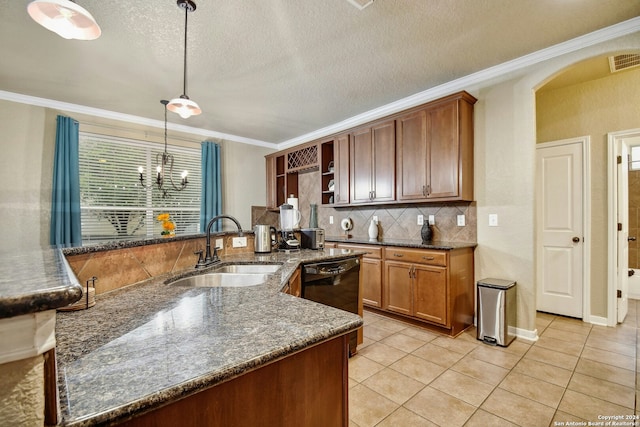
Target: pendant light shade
(183, 105)
(65, 18)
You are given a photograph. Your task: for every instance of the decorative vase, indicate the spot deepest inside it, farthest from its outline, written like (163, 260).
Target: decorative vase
(313, 216)
(373, 230)
(426, 232)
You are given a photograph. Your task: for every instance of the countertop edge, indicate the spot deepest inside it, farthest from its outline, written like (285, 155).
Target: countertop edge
(188, 388)
(437, 245)
(59, 288)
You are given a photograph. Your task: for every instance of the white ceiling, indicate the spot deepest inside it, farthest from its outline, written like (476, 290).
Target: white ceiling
(274, 70)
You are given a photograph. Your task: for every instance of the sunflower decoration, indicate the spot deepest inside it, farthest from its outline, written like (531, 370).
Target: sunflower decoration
(168, 227)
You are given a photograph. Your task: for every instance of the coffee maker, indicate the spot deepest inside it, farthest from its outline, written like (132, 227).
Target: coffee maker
(289, 217)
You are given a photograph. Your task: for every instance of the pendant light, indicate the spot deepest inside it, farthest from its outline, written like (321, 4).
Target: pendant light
(65, 18)
(164, 161)
(183, 105)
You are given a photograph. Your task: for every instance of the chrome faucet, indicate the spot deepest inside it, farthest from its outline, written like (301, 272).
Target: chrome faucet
(209, 258)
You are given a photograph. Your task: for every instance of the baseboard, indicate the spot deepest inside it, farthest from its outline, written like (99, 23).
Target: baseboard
(598, 320)
(527, 334)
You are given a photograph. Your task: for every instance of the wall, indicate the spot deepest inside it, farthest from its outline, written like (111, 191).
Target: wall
(505, 138)
(22, 392)
(593, 108)
(25, 175)
(26, 172)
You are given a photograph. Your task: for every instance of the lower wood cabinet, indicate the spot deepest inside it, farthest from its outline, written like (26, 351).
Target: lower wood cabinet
(371, 268)
(308, 388)
(433, 287)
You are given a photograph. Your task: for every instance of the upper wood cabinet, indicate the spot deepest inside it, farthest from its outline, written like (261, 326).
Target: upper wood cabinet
(421, 155)
(435, 151)
(372, 160)
(341, 166)
(335, 170)
(282, 170)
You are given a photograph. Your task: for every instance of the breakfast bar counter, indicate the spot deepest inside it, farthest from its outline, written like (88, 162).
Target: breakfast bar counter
(147, 345)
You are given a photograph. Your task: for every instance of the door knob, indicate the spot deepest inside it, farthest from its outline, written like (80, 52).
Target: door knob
(576, 239)
(631, 238)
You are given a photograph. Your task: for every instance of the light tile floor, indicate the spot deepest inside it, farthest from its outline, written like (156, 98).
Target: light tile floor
(407, 376)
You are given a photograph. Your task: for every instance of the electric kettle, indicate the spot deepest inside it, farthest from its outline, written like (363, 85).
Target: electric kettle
(264, 239)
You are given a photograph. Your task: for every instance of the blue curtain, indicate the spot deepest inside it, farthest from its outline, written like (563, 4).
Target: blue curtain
(211, 200)
(65, 197)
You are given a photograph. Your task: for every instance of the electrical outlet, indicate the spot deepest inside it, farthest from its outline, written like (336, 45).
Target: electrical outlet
(375, 219)
(493, 220)
(219, 243)
(330, 219)
(432, 219)
(240, 242)
(461, 221)
(420, 219)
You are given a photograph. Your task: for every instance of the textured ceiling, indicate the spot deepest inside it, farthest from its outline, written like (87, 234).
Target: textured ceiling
(273, 70)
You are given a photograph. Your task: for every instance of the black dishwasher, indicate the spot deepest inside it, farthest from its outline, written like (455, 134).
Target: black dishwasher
(334, 283)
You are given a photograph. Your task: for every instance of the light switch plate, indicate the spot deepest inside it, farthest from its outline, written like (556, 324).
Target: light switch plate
(240, 242)
(493, 220)
(330, 219)
(420, 219)
(461, 221)
(219, 244)
(432, 219)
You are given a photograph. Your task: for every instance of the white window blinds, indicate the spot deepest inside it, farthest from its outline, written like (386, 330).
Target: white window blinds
(115, 206)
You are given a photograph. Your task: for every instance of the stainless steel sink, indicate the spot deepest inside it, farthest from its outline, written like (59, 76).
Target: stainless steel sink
(248, 268)
(217, 279)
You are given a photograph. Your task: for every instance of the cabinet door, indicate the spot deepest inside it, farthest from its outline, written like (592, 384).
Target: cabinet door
(295, 283)
(443, 151)
(397, 287)
(411, 143)
(372, 282)
(384, 161)
(361, 161)
(271, 182)
(430, 294)
(341, 172)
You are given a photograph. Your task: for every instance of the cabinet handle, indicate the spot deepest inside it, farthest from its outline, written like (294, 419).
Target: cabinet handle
(428, 189)
(424, 191)
(428, 258)
(398, 255)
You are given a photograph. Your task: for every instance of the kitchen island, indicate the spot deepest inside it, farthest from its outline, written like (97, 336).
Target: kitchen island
(159, 350)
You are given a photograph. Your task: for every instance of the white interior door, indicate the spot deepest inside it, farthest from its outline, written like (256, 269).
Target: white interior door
(559, 234)
(622, 282)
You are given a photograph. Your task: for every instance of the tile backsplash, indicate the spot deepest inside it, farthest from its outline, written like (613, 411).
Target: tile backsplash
(395, 221)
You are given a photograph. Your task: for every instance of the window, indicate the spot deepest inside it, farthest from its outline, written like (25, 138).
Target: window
(634, 164)
(114, 206)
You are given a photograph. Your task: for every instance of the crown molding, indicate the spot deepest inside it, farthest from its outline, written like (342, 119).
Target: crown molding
(128, 118)
(472, 80)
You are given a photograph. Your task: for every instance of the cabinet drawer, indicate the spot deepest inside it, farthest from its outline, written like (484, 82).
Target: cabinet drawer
(372, 251)
(419, 256)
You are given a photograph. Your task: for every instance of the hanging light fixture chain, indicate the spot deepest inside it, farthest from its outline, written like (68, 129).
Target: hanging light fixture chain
(184, 76)
(182, 105)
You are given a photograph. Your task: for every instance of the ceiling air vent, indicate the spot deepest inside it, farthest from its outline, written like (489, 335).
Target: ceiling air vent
(623, 62)
(361, 4)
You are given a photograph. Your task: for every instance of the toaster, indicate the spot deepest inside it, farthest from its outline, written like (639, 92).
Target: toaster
(312, 238)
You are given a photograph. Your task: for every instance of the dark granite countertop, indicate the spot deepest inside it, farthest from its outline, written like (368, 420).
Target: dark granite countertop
(410, 243)
(34, 281)
(151, 343)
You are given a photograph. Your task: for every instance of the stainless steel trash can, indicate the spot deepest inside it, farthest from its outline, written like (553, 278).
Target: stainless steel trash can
(496, 311)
